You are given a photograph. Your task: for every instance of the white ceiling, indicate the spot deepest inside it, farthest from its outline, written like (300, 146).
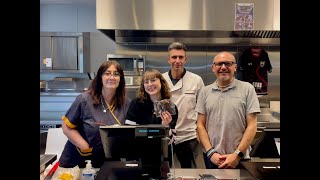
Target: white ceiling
(67, 2)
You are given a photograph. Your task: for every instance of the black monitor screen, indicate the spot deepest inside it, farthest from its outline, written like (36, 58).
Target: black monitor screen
(265, 145)
(147, 144)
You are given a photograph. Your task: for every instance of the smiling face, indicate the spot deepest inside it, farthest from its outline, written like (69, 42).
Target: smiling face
(224, 66)
(152, 85)
(111, 78)
(177, 58)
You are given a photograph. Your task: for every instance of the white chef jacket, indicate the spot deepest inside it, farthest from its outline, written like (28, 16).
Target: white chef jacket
(184, 96)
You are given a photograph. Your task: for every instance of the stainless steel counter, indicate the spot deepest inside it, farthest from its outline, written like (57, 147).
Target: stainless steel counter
(45, 160)
(268, 120)
(230, 174)
(263, 170)
(131, 92)
(53, 105)
(218, 173)
(257, 159)
(59, 93)
(239, 174)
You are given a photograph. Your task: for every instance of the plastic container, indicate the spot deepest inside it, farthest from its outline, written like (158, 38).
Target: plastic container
(89, 172)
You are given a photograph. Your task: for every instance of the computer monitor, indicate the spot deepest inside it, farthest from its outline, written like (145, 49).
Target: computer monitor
(266, 146)
(146, 144)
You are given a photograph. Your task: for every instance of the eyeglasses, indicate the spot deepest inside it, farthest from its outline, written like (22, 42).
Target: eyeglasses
(146, 81)
(114, 74)
(227, 63)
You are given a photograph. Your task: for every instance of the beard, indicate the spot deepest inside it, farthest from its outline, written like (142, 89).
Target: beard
(224, 78)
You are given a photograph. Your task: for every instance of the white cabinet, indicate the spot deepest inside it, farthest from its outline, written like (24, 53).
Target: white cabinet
(64, 52)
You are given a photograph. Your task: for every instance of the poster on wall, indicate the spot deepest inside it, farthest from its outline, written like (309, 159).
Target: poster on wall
(244, 19)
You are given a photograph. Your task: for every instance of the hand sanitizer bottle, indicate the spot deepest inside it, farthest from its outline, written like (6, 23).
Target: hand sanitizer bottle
(88, 173)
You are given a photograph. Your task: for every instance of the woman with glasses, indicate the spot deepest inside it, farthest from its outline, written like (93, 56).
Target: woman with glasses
(104, 103)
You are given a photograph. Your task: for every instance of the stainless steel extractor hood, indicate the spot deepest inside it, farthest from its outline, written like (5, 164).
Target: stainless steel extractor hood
(189, 21)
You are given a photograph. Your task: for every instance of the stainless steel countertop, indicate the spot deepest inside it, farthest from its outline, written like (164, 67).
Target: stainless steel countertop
(258, 159)
(75, 93)
(267, 119)
(219, 173)
(45, 160)
(60, 93)
(242, 174)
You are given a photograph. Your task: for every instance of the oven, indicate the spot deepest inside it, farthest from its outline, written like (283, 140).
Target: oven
(132, 65)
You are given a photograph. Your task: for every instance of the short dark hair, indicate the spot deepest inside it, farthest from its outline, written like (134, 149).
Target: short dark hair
(177, 45)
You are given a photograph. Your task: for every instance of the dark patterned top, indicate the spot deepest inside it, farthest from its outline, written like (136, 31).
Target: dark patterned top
(255, 65)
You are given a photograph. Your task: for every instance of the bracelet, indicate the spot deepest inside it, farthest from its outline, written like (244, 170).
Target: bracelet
(210, 152)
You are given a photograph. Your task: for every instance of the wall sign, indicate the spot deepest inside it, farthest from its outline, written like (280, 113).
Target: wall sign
(244, 19)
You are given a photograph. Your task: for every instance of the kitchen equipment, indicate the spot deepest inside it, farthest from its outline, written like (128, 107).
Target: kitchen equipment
(131, 64)
(42, 85)
(147, 22)
(45, 160)
(65, 52)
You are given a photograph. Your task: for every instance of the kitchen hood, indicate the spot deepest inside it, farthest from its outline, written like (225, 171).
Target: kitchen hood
(189, 21)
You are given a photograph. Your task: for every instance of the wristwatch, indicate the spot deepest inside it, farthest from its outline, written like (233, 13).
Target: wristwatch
(239, 153)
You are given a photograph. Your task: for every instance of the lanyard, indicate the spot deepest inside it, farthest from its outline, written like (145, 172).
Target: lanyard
(111, 111)
(113, 114)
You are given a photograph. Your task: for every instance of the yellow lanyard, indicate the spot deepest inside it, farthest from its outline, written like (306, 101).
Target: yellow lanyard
(113, 114)
(111, 110)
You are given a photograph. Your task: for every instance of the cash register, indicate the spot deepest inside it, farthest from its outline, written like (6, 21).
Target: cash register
(134, 152)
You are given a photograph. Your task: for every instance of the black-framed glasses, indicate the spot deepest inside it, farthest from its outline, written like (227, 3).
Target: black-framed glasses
(227, 63)
(114, 74)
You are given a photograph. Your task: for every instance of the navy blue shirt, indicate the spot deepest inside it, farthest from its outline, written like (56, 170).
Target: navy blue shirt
(86, 118)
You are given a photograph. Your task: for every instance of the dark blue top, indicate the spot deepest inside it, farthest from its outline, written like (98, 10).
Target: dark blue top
(86, 118)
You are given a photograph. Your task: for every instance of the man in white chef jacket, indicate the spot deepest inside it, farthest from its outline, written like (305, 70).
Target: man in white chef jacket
(184, 86)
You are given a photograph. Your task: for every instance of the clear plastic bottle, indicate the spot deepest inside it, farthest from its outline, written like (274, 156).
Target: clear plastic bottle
(89, 172)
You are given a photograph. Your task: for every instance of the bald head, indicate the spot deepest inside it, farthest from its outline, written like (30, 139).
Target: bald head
(224, 66)
(224, 55)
